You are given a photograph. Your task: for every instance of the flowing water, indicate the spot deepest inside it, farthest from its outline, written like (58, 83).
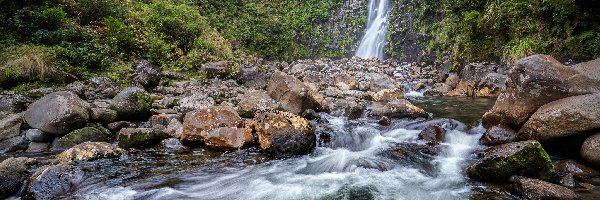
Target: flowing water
(373, 42)
(361, 160)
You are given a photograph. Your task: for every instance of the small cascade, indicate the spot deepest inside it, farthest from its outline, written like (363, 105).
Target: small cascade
(373, 42)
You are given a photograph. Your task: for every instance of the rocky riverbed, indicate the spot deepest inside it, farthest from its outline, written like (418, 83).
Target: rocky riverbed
(311, 129)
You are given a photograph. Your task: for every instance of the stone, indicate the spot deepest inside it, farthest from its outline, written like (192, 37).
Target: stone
(385, 121)
(132, 103)
(445, 123)
(464, 88)
(252, 77)
(53, 182)
(535, 189)
(344, 81)
(221, 69)
(163, 119)
(36, 135)
(378, 82)
(433, 134)
(17, 143)
(58, 113)
(146, 74)
(10, 126)
(13, 172)
(396, 109)
(195, 101)
(577, 169)
(387, 95)
(590, 150)
(499, 163)
(534, 82)
(281, 133)
(140, 137)
(103, 115)
(37, 147)
(87, 134)
(13, 102)
(216, 127)
(563, 118)
(88, 151)
(172, 145)
(77, 88)
(116, 126)
(498, 135)
(254, 100)
(101, 88)
(438, 89)
(349, 107)
(293, 94)
(452, 81)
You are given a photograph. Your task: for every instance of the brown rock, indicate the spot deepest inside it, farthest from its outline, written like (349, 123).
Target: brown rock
(438, 89)
(397, 109)
(216, 127)
(464, 88)
(566, 117)
(344, 81)
(538, 80)
(254, 100)
(433, 134)
(534, 189)
(293, 94)
(386, 95)
(88, 151)
(498, 135)
(282, 133)
(590, 150)
(452, 81)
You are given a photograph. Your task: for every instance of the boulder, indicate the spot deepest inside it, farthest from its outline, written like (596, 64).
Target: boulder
(378, 82)
(195, 101)
(53, 182)
(464, 88)
(387, 95)
(101, 88)
(216, 127)
(254, 100)
(498, 135)
(438, 89)
(499, 163)
(87, 134)
(140, 137)
(103, 115)
(452, 81)
(252, 77)
(146, 74)
(13, 144)
(172, 145)
(534, 189)
(566, 117)
(88, 151)
(534, 82)
(58, 113)
(221, 69)
(10, 126)
(132, 103)
(77, 88)
(396, 109)
(577, 169)
(282, 133)
(13, 172)
(433, 134)
(36, 135)
(293, 94)
(37, 147)
(350, 107)
(590, 150)
(13, 102)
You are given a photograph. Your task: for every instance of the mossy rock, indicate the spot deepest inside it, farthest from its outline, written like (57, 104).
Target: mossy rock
(132, 104)
(140, 137)
(87, 134)
(526, 158)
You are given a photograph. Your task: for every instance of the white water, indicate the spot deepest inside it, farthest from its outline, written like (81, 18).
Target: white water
(353, 162)
(373, 42)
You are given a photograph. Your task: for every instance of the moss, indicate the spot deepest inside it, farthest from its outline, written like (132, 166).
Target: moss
(530, 161)
(246, 113)
(87, 134)
(140, 138)
(144, 102)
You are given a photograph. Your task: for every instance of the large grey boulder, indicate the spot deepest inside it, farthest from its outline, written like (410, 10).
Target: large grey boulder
(132, 103)
(566, 117)
(58, 113)
(536, 81)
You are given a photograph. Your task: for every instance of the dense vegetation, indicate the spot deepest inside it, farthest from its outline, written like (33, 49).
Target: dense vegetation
(505, 30)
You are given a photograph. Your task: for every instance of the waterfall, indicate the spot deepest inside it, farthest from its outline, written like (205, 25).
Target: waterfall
(372, 43)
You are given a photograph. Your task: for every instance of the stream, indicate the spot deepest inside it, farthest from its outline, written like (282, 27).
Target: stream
(362, 160)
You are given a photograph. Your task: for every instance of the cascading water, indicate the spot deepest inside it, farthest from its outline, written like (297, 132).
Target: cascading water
(372, 43)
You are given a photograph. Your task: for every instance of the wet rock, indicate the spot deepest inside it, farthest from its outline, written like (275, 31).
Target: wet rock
(348, 107)
(418, 155)
(433, 134)
(282, 133)
(172, 145)
(132, 103)
(103, 115)
(37, 147)
(396, 109)
(140, 137)
(534, 189)
(566, 117)
(590, 150)
(221, 69)
(491, 85)
(36, 135)
(438, 89)
(385, 121)
(577, 169)
(146, 74)
(448, 124)
(87, 134)
(568, 180)
(88, 151)
(216, 127)
(534, 82)
(13, 102)
(10, 126)
(53, 182)
(13, 172)
(17, 143)
(310, 114)
(101, 88)
(464, 88)
(254, 100)
(452, 81)
(498, 135)
(293, 94)
(387, 95)
(58, 113)
(195, 101)
(499, 163)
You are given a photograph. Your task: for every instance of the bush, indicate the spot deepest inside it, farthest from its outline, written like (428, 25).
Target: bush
(29, 63)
